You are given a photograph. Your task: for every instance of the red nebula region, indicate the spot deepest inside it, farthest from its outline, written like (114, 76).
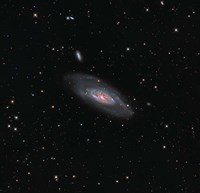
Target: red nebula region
(101, 96)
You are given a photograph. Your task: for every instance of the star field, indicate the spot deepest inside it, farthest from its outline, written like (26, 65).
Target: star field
(51, 141)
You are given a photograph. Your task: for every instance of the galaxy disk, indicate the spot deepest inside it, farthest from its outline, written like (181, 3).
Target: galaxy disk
(98, 94)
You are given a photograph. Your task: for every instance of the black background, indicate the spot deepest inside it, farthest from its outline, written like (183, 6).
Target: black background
(52, 142)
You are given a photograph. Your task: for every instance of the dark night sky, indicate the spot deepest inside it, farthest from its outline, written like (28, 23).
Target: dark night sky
(51, 141)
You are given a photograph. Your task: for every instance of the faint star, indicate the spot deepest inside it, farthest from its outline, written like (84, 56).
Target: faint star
(155, 86)
(35, 15)
(176, 30)
(16, 117)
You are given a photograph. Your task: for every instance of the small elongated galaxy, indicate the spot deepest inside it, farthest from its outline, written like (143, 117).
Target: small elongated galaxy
(98, 94)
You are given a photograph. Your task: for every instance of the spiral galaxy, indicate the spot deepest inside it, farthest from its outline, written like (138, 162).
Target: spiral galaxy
(98, 94)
